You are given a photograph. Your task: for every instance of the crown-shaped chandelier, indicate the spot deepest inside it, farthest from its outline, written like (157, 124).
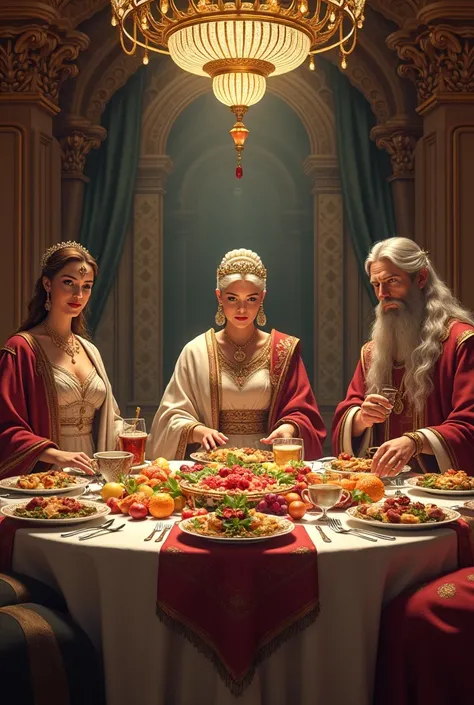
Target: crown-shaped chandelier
(239, 44)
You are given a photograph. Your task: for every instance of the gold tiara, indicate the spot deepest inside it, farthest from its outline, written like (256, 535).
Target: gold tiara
(61, 246)
(242, 266)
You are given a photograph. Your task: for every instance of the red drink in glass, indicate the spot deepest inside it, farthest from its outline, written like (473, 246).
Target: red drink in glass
(134, 442)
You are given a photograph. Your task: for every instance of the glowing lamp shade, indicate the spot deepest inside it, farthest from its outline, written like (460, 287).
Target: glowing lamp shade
(239, 88)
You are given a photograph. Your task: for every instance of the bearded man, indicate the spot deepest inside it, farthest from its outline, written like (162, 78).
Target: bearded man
(422, 343)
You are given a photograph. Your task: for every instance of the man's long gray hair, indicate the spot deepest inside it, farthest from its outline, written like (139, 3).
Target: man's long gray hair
(419, 331)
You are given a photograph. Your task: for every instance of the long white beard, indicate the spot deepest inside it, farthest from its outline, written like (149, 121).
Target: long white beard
(396, 334)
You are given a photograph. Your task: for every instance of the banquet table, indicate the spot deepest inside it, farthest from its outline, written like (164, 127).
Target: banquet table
(110, 582)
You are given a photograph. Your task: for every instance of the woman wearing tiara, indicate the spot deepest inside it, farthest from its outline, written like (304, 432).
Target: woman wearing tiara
(241, 386)
(56, 403)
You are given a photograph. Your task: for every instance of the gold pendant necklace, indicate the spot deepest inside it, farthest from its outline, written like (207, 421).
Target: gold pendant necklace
(70, 345)
(239, 355)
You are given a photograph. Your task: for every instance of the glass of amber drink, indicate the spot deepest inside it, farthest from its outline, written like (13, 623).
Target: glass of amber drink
(132, 439)
(286, 449)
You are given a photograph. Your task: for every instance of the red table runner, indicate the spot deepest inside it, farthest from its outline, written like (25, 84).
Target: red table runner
(8, 529)
(238, 602)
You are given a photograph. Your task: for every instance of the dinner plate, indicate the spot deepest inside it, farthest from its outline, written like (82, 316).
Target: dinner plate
(101, 510)
(135, 468)
(9, 484)
(431, 490)
(286, 528)
(328, 468)
(450, 514)
(202, 457)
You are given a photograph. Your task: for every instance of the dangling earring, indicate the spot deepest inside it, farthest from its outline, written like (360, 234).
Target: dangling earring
(220, 317)
(261, 318)
(47, 303)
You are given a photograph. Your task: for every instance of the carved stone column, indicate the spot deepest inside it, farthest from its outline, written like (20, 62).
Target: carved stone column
(147, 337)
(35, 59)
(399, 138)
(438, 51)
(328, 291)
(77, 136)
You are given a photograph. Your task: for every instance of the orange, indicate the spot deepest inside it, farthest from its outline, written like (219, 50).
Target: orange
(161, 505)
(372, 486)
(297, 510)
(348, 484)
(292, 497)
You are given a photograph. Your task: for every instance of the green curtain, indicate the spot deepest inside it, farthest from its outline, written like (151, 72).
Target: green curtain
(108, 198)
(364, 169)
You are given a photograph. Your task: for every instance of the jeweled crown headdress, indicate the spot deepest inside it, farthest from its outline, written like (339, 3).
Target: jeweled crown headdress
(241, 262)
(61, 246)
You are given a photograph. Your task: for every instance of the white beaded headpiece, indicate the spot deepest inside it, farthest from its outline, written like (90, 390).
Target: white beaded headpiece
(241, 262)
(61, 246)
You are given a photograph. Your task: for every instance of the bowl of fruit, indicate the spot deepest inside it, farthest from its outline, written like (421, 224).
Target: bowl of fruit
(207, 486)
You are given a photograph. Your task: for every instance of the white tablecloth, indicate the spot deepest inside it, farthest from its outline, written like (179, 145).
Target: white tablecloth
(110, 587)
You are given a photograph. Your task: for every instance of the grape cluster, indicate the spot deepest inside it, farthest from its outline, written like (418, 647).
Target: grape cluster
(273, 504)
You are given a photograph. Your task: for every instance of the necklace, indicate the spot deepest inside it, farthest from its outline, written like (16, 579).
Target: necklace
(239, 355)
(70, 345)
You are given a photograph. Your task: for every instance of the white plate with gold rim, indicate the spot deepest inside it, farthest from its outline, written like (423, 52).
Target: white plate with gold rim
(101, 510)
(451, 516)
(9, 485)
(412, 482)
(286, 527)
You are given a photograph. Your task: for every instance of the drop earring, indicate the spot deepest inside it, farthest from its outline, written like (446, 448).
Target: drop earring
(220, 317)
(261, 318)
(47, 303)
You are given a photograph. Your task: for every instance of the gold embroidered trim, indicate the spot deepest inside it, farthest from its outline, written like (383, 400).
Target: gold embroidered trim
(44, 657)
(365, 355)
(447, 330)
(470, 577)
(7, 348)
(243, 421)
(184, 439)
(79, 421)
(446, 591)
(463, 337)
(45, 370)
(240, 373)
(214, 376)
(17, 458)
(447, 449)
(284, 350)
(20, 590)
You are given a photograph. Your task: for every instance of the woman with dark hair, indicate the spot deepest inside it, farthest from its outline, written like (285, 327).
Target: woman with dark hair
(56, 402)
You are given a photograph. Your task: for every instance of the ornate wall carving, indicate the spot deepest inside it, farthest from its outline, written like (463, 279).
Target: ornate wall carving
(38, 59)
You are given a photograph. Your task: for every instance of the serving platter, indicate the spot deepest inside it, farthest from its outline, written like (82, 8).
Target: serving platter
(411, 482)
(451, 515)
(9, 484)
(286, 527)
(101, 510)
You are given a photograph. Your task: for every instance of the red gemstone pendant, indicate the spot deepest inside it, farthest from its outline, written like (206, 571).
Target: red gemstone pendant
(239, 172)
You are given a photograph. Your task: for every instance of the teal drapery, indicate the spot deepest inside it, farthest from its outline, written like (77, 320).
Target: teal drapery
(108, 198)
(364, 169)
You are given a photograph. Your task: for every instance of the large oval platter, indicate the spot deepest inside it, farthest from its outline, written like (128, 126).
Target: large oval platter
(411, 482)
(101, 510)
(9, 484)
(450, 514)
(286, 528)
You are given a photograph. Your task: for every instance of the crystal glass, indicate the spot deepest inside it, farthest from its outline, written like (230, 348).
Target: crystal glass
(132, 439)
(390, 393)
(323, 496)
(286, 449)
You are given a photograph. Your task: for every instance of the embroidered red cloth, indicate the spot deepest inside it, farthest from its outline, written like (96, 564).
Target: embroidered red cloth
(238, 602)
(8, 529)
(464, 529)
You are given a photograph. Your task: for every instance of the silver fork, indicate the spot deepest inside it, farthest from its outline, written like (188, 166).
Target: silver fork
(105, 525)
(334, 525)
(158, 527)
(167, 527)
(365, 531)
(102, 532)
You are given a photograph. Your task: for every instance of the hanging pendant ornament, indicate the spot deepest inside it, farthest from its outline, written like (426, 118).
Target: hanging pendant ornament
(239, 134)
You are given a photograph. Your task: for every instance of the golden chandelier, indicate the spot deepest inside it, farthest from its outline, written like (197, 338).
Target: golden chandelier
(239, 44)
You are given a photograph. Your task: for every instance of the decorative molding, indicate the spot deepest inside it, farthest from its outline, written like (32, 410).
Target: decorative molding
(81, 10)
(153, 172)
(323, 172)
(439, 60)
(36, 59)
(112, 78)
(397, 11)
(399, 137)
(77, 137)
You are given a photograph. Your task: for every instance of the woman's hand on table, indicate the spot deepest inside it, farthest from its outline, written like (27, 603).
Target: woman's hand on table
(286, 430)
(209, 438)
(64, 459)
(392, 456)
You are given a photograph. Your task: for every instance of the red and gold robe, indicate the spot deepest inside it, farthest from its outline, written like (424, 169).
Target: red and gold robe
(29, 407)
(194, 397)
(447, 420)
